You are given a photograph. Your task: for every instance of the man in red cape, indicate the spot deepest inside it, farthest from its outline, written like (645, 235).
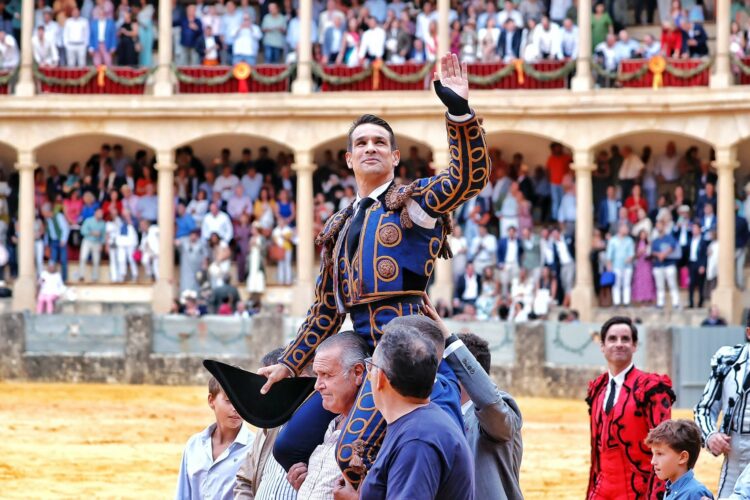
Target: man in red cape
(624, 403)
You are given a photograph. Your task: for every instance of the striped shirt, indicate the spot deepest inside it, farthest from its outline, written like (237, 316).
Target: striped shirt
(323, 470)
(274, 485)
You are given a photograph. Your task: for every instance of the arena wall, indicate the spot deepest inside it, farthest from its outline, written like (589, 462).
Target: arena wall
(541, 359)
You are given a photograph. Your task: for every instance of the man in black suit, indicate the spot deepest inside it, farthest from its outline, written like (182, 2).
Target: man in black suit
(697, 259)
(509, 43)
(468, 288)
(703, 178)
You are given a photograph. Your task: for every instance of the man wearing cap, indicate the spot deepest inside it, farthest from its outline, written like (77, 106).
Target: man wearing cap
(378, 256)
(727, 392)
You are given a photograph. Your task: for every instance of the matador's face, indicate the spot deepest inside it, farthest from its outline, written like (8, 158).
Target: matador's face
(371, 155)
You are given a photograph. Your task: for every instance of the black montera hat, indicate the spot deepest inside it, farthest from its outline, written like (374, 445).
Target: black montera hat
(265, 411)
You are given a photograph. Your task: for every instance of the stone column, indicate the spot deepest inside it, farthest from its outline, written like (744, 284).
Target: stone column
(726, 296)
(164, 287)
(24, 289)
(139, 338)
(582, 297)
(303, 85)
(722, 76)
(25, 85)
(163, 83)
(444, 42)
(12, 345)
(442, 283)
(582, 82)
(306, 269)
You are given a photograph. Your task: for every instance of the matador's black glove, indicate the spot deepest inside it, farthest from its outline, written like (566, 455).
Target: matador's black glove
(457, 105)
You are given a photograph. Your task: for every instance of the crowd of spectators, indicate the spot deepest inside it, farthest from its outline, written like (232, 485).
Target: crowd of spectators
(230, 215)
(513, 245)
(76, 33)
(655, 219)
(70, 33)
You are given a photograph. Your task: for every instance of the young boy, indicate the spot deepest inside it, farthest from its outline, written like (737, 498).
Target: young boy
(212, 457)
(675, 445)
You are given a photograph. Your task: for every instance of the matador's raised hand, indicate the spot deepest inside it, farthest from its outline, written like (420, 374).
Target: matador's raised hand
(451, 82)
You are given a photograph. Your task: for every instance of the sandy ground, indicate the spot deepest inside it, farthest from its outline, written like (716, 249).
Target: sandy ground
(110, 441)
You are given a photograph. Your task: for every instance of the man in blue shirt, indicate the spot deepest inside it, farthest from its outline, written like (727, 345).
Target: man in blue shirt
(446, 392)
(93, 233)
(620, 254)
(665, 266)
(423, 453)
(184, 223)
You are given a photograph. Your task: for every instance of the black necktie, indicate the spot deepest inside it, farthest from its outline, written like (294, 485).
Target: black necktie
(611, 398)
(352, 237)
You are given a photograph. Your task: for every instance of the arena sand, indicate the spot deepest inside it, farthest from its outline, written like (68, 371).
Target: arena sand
(117, 441)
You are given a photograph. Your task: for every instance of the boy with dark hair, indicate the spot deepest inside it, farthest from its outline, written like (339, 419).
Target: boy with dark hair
(675, 445)
(212, 457)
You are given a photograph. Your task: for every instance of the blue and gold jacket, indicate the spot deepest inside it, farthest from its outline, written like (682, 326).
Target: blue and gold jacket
(402, 235)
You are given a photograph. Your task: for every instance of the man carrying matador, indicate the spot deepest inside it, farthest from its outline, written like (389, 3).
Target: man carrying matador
(378, 256)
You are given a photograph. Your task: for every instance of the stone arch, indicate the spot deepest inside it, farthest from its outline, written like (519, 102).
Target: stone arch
(8, 157)
(534, 147)
(63, 151)
(657, 139)
(207, 147)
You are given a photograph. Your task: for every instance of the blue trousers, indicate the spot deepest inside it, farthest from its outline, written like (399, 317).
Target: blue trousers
(364, 428)
(59, 254)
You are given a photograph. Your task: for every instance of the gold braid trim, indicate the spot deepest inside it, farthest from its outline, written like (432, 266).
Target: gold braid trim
(445, 251)
(328, 235)
(396, 198)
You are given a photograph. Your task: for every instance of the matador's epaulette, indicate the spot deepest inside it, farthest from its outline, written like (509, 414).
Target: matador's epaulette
(395, 200)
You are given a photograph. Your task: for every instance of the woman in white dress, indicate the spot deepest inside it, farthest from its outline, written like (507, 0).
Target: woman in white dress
(112, 229)
(256, 276)
(488, 37)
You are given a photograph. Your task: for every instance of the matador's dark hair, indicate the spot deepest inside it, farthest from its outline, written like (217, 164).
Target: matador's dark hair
(375, 120)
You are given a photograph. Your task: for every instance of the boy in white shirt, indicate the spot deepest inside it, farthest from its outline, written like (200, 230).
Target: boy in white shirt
(213, 456)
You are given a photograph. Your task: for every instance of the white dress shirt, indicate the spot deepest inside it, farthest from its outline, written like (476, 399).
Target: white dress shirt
(631, 167)
(619, 380)
(511, 251)
(667, 167)
(45, 51)
(220, 224)
(373, 43)
(203, 477)
(471, 288)
(548, 40)
(563, 253)
(569, 43)
(76, 31)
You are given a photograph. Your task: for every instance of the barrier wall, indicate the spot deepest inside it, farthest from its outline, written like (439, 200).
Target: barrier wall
(543, 359)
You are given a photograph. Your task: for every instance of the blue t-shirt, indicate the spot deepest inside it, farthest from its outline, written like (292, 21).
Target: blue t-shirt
(661, 244)
(446, 393)
(687, 488)
(423, 456)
